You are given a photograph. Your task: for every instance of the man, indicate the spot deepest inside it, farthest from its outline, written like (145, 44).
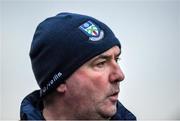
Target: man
(74, 59)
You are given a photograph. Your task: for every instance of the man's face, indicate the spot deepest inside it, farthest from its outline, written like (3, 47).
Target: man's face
(92, 90)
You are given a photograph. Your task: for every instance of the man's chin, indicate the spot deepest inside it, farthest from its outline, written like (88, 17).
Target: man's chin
(109, 112)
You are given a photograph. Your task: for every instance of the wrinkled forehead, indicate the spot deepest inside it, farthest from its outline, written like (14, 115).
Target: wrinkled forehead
(114, 51)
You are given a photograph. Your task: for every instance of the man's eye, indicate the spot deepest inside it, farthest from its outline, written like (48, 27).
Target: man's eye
(101, 64)
(118, 59)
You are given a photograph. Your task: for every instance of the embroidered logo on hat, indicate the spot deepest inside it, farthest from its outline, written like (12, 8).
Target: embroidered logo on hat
(92, 31)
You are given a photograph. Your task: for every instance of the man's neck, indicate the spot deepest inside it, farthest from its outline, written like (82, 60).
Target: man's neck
(57, 113)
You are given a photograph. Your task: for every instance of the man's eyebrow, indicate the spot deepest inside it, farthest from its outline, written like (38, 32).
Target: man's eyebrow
(106, 56)
(118, 54)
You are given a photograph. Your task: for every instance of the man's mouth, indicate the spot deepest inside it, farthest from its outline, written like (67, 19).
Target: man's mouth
(114, 96)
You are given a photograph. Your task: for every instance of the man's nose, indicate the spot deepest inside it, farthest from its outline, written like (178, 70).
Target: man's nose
(116, 74)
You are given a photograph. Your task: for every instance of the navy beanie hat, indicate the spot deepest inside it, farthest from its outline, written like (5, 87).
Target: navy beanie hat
(62, 43)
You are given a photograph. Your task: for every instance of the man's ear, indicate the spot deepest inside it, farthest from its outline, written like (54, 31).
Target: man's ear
(61, 88)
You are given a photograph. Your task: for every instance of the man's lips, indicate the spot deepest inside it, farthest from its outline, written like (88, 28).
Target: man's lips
(114, 96)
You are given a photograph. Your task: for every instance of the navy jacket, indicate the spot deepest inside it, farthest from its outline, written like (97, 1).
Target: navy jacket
(31, 109)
